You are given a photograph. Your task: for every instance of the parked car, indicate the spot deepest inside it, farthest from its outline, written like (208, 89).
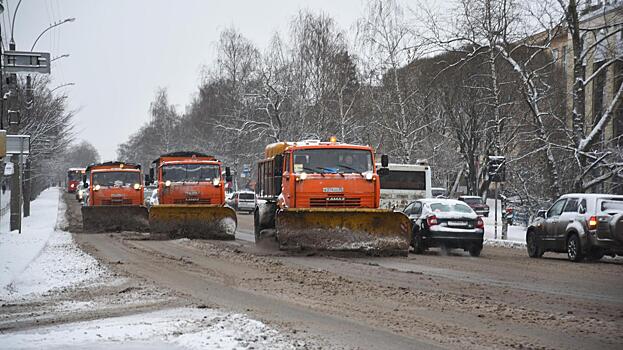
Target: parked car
(581, 225)
(244, 201)
(446, 223)
(476, 203)
(438, 192)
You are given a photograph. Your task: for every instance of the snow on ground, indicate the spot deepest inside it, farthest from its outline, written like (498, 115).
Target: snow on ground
(43, 258)
(180, 328)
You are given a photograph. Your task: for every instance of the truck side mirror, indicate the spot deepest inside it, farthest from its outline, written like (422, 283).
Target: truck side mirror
(384, 160)
(228, 177)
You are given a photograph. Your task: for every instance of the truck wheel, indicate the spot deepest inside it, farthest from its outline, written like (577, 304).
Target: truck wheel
(257, 228)
(574, 248)
(534, 251)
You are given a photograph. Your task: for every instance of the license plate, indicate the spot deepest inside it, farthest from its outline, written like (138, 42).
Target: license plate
(333, 189)
(457, 223)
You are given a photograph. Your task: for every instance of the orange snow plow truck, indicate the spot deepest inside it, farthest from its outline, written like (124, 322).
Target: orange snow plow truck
(325, 196)
(191, 197)
(115, 198)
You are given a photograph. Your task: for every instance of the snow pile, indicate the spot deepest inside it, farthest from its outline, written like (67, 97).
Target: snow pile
(181, 328)
(43, 258)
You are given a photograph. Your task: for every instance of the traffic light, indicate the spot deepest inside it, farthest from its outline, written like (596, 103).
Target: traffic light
(496, 169)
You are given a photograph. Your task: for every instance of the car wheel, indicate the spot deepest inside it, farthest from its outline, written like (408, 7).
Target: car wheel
(574, 248)
(475, 250)
(417, 243)
(534, 251)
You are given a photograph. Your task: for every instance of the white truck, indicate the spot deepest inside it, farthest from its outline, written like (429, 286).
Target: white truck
(405, 183)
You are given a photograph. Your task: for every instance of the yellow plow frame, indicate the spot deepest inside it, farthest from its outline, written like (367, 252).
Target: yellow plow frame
(192, 221)
(372, 231)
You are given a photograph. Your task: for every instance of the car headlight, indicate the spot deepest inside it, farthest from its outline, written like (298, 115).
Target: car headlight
(216, 181)
(167, 183)
(97, 187)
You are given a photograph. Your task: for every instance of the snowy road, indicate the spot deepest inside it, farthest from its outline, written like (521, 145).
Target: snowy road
(501, 300)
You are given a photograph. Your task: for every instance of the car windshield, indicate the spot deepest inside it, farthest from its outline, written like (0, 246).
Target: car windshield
(116, 178)
(450, 207)
(190, 172)
(472, 200)
(333, 161)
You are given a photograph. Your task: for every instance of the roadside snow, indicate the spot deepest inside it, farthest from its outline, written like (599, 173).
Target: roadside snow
(43, 258)
(180, 328)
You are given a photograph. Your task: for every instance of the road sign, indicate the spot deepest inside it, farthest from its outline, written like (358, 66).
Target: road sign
(18, 144)
(26, 62)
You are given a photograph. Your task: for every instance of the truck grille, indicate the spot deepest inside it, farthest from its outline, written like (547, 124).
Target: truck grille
(116, 201)
(193, 201)
(335, 201)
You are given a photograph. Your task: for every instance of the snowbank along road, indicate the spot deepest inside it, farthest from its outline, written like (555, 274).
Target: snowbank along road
(502, 299)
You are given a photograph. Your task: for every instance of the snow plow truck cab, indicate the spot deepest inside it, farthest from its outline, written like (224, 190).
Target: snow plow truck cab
(191, 197)
(325, 196)
(115, 201)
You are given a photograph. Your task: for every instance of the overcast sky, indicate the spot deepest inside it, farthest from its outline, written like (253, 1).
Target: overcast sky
(123, 50)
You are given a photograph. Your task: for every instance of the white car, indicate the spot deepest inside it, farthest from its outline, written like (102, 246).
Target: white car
(153, 199)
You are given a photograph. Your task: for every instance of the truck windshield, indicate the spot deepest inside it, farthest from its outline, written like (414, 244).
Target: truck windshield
(332, 160)
(404, 180)
(117, 178)
(190, 172)
(74, 176)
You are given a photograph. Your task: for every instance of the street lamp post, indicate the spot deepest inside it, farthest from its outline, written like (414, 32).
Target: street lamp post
(59, 57)
(50, 27)
(62, 85)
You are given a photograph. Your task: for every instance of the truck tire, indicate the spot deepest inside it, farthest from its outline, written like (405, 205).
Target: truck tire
(257, 227)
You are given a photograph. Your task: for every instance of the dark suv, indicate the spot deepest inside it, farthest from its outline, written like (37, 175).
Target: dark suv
(582, 225)
(477, 204)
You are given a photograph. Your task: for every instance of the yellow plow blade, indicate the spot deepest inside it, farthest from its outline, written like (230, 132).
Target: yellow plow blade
(373, 231)
(192, 221)
(113, 218)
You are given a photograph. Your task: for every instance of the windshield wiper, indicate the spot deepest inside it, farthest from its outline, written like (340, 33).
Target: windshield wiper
(350, 168)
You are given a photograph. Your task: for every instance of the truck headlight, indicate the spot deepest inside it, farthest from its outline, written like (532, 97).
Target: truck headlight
(369, 176)
(167, 183)
(216, 181)
(137, 187)
(302, 176)
(97, 187)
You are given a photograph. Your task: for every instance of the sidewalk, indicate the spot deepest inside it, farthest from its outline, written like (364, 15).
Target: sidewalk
(42, 257)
